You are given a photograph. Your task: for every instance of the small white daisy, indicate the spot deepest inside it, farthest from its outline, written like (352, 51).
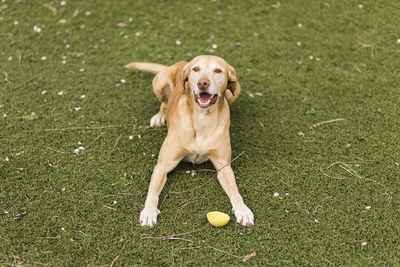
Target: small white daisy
(44, 58)
(7, 159)
(130, 137)
(368, 207)
(44, 92)
(63, 62)
(214, 46)
(83, 96)
(311, 57)
(139, 136)
(123, 81)
(178, 42)
(138, 33)
(82, 70)
(364, 243)
(130, 19)
(76, 150)
(276, 194)
(360, 6)
(77, 108)
(9, 58)
(114, 202)
(398, 41)
(81, 148)
(298, 43)
(60, 93)
(62, 229)
(15, 22)
(63, 3)
(87, 13)
(299, 25)
(63, 189)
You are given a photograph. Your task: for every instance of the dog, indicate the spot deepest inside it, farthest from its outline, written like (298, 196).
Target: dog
(195, 98)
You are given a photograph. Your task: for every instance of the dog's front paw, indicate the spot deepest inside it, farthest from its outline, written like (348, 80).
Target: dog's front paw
(158, 120)
(148, 217)
(244, 216)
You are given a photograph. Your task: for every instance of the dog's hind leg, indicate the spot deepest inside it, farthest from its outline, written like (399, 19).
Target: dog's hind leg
(162, 89)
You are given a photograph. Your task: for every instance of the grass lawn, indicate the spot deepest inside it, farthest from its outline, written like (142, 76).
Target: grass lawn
(315, 133)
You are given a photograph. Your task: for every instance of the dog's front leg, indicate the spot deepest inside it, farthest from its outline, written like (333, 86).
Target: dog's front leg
(226, 178)
(168, 159)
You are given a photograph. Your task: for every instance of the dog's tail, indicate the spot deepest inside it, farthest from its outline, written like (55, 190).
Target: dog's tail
(149, 67)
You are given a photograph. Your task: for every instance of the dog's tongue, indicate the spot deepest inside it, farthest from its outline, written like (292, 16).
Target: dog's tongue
(204, 97)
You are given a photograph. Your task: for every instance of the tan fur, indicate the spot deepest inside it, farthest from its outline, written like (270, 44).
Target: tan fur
(194, 134)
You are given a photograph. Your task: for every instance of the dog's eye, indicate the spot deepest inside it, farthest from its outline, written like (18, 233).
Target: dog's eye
(218, 71)
(196, 69)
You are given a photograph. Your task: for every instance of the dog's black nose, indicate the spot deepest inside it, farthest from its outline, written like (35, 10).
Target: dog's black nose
(203, 84)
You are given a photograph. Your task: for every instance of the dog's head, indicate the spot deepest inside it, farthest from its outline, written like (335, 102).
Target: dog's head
(207, 78)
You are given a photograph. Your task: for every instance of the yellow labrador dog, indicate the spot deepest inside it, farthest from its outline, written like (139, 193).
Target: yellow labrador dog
(195, 98)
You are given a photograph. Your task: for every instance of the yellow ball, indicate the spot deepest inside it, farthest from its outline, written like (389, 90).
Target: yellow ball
(217, 218)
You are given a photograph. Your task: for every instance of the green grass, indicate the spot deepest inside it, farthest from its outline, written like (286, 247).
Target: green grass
(325, 179)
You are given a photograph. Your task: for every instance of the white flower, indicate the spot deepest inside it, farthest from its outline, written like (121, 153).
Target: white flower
(317, 59)
(76, 150)
(299, 25)
(123, 81)
(63, 62)
(7, 159)
(398, 41)
(44, 58)
(36, 29)
(214, 46)
(130, 19)
(4, 115)
(63, 189)
(44, 92)
(83, 96)
(360, 6)
(311, 57)
(130, 137)
(15, 22)
(60, 93)
(63, 3)
(82, 70)
(139, 136)
(9, 58)
(364, 243)
(62, 229)
(114, 202)
(367, 207)
(276, 194)
(178, 42)
(298, 43)
(87, 13)
(138, 33)
(77, 108)
(81, 148)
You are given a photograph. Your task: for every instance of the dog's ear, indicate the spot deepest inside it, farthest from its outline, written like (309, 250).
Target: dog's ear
(233, 86)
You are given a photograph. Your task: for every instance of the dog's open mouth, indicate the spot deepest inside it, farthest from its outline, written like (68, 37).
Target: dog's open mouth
(205, 100)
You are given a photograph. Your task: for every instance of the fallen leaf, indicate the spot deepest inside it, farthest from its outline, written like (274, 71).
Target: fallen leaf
(249, 257)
